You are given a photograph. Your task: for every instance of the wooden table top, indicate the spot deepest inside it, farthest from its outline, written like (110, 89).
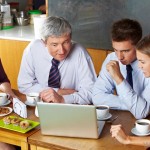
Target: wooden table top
(105, 142)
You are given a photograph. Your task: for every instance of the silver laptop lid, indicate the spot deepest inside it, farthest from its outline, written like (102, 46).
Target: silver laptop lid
(69, 120)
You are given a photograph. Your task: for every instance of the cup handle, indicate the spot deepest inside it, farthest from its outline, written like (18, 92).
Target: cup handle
(8, 96)
(35, 102)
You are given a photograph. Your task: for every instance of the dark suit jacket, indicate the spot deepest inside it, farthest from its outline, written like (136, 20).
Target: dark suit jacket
(38, 3)
(3, 76)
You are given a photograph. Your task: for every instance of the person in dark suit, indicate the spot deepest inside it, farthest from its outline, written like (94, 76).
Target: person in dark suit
(5, 85)
(36, 4)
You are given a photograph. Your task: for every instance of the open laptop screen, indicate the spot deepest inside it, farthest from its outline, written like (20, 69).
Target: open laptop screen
(69, 120)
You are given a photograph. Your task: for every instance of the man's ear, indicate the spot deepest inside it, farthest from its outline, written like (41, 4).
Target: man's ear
(45, 42)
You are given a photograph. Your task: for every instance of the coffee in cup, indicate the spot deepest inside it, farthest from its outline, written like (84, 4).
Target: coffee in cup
(32, 98)
(142, 126)
(102, 111)
(3, 98)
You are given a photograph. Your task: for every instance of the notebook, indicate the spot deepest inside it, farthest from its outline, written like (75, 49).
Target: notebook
(69, 120)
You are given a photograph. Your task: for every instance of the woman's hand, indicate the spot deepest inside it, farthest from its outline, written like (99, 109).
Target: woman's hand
(118, 133)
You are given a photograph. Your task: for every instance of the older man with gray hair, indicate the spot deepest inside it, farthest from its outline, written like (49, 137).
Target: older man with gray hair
(59, 69)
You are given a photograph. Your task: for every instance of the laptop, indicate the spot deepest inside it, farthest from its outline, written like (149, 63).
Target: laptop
(69, 120)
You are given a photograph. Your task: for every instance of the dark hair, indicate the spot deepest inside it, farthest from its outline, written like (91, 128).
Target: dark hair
(143, 45)
(125, 30)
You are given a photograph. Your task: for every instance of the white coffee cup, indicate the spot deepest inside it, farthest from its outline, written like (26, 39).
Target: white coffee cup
(102, 111)
(3, 98)
(36, 110)
(32, 97)
(142, 126)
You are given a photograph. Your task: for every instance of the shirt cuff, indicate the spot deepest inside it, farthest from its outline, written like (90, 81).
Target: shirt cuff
(68, 99)
(55, 89)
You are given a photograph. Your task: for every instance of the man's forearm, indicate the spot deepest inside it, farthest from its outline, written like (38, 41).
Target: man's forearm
(6, 87)
(66, 91)
(30, 2)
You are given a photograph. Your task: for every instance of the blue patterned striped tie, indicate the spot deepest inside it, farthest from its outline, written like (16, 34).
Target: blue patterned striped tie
(129, 75)
(54, 76)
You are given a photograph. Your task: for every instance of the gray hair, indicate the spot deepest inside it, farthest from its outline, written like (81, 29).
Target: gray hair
(55, 26)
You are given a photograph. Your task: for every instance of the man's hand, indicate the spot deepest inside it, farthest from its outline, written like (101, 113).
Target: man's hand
(50, 96)
(43, 8)
(29, 7)
(114, 70)
(66, 91)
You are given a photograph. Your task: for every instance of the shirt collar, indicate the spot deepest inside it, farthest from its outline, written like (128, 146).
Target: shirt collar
(134, 65)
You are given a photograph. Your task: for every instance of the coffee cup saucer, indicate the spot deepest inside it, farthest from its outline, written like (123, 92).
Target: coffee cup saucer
(105, 118)
(135, 132)
(29, 104)
(8, 102)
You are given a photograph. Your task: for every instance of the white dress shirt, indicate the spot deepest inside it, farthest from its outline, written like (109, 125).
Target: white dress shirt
(76, 71)
(136, 100)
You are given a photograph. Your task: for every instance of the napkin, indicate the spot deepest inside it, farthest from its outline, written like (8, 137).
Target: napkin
(19, 108)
